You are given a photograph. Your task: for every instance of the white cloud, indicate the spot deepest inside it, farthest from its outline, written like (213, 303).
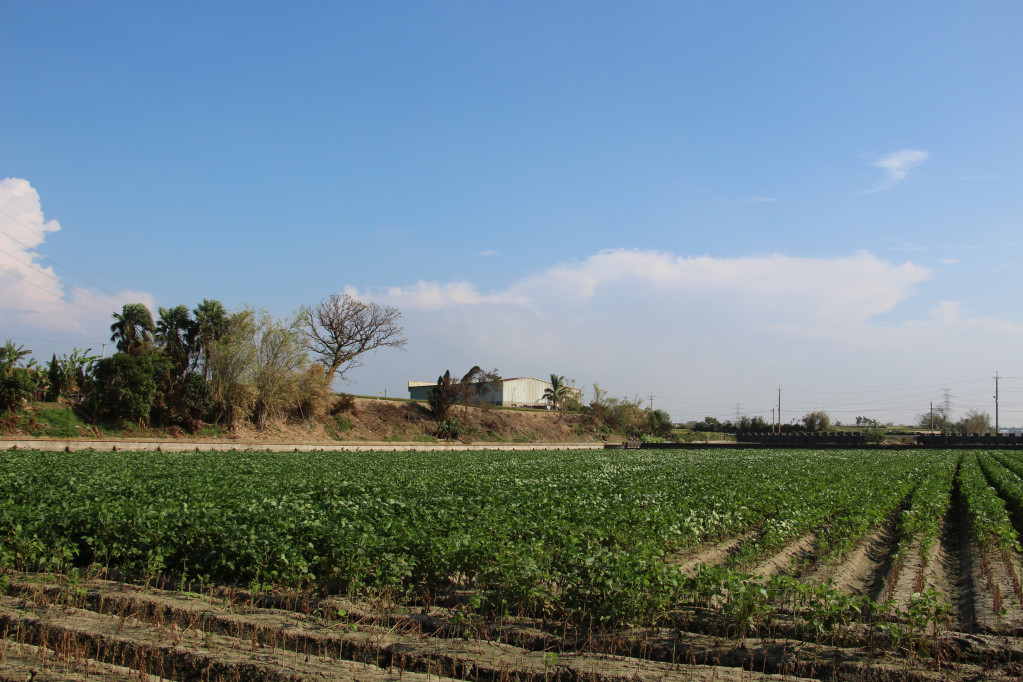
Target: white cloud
(758, 200)
(769, 289)
(896, 167)
(488, 253)
(435, 296)
(25, 284)
(34, 300)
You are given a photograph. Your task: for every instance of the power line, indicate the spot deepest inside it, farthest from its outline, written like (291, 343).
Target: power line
(60, 248)
(21, 277)
(31, 263)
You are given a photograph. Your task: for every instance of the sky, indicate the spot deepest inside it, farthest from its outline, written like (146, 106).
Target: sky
(698, 205)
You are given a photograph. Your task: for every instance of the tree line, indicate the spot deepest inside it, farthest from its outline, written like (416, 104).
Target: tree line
(188, 368)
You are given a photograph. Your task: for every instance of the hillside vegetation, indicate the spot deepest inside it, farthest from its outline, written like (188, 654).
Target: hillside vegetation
(362, 420)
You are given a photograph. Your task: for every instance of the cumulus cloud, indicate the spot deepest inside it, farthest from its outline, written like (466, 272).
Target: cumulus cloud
(25, 284)
(687, 327)
(34, 300)
(896, 167)
(769, 289)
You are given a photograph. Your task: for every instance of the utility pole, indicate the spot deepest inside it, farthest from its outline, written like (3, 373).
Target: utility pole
(651, 402)
(772, 416)
(779, 409)
(996, 403)
(932, 415)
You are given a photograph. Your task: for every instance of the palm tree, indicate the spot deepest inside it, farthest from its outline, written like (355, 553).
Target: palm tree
(11, 355)
(174, 328)
(133, 328)
(210, 326)
(557, 392)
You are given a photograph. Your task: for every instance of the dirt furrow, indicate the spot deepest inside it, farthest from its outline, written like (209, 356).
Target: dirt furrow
(708, 553)
(781, 562)
(24, 662)
(864, 569)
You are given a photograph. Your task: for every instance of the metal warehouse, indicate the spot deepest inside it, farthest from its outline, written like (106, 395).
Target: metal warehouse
(517, 392)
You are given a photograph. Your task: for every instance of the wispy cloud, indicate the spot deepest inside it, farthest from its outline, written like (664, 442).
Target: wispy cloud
(948, 261)
(488, 253)
(758, 200)
(427, 296)
(896, 167)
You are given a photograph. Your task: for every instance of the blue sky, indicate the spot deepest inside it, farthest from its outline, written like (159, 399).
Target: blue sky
(698, 201)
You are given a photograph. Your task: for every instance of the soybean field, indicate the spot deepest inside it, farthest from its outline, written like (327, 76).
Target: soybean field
(602, 564)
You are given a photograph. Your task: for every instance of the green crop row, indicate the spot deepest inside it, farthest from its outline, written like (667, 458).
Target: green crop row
(986, 509)
(921, 519)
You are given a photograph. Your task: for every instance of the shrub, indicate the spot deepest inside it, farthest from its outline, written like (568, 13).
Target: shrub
(313, 393)
(615, 415)
(16, 388)
(818, 420)
(875, 434)
(449, 429)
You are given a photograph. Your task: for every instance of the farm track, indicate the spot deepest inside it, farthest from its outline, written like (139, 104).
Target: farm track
(107, 630)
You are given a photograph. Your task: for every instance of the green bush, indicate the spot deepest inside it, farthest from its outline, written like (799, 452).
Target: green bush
(449, 429)
(16, 388)
(875, 434)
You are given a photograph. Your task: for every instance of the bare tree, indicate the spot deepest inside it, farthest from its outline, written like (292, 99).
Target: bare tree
(340, 329)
